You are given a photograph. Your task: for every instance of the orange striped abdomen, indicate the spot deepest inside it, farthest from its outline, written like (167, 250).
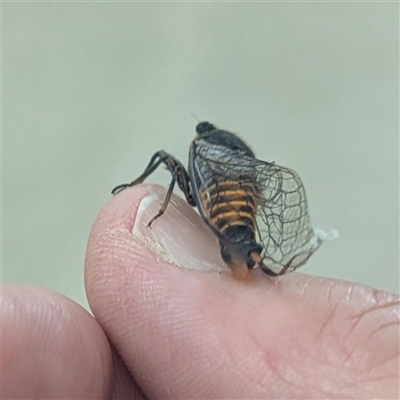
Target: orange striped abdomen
(230, 204)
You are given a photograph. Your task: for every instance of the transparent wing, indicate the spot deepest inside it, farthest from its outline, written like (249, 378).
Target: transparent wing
(283, 223)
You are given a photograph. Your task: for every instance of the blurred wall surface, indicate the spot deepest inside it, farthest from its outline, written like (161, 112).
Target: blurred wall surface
(91, 90)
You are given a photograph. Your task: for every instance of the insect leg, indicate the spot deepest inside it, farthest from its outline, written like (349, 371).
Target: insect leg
(284, 269)
(167, 197)
(269, 271)
(179, 175)
(255, 258)
(290, 262)
(183, 181)
(155, 161)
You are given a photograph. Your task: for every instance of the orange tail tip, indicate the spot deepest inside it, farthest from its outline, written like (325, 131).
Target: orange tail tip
(256, 258)
(239, 270)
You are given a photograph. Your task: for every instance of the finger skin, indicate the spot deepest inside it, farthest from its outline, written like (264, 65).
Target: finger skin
(51, 347)
(192, 334)
(122, 384)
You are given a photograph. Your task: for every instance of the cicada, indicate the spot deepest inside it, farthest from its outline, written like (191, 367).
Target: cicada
(256, 209)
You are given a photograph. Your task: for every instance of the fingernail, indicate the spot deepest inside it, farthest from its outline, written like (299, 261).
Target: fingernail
(179, 236)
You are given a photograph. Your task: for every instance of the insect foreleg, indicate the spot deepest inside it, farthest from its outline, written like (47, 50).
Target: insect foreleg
(155, 161)
(167, 196)
(179, 175)
(268, 271)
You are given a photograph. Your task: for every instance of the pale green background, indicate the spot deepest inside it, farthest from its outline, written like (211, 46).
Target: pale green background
(91, 90)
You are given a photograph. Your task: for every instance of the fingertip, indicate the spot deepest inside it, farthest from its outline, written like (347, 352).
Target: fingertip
(178, 238)
(265, 332)
(51, 347)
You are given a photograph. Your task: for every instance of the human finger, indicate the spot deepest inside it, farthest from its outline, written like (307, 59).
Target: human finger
(51, 347)
(185, 329)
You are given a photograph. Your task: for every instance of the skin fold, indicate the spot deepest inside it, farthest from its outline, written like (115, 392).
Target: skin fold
(170, 322)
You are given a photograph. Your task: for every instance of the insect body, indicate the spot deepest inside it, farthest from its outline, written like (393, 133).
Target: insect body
(256, 209)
